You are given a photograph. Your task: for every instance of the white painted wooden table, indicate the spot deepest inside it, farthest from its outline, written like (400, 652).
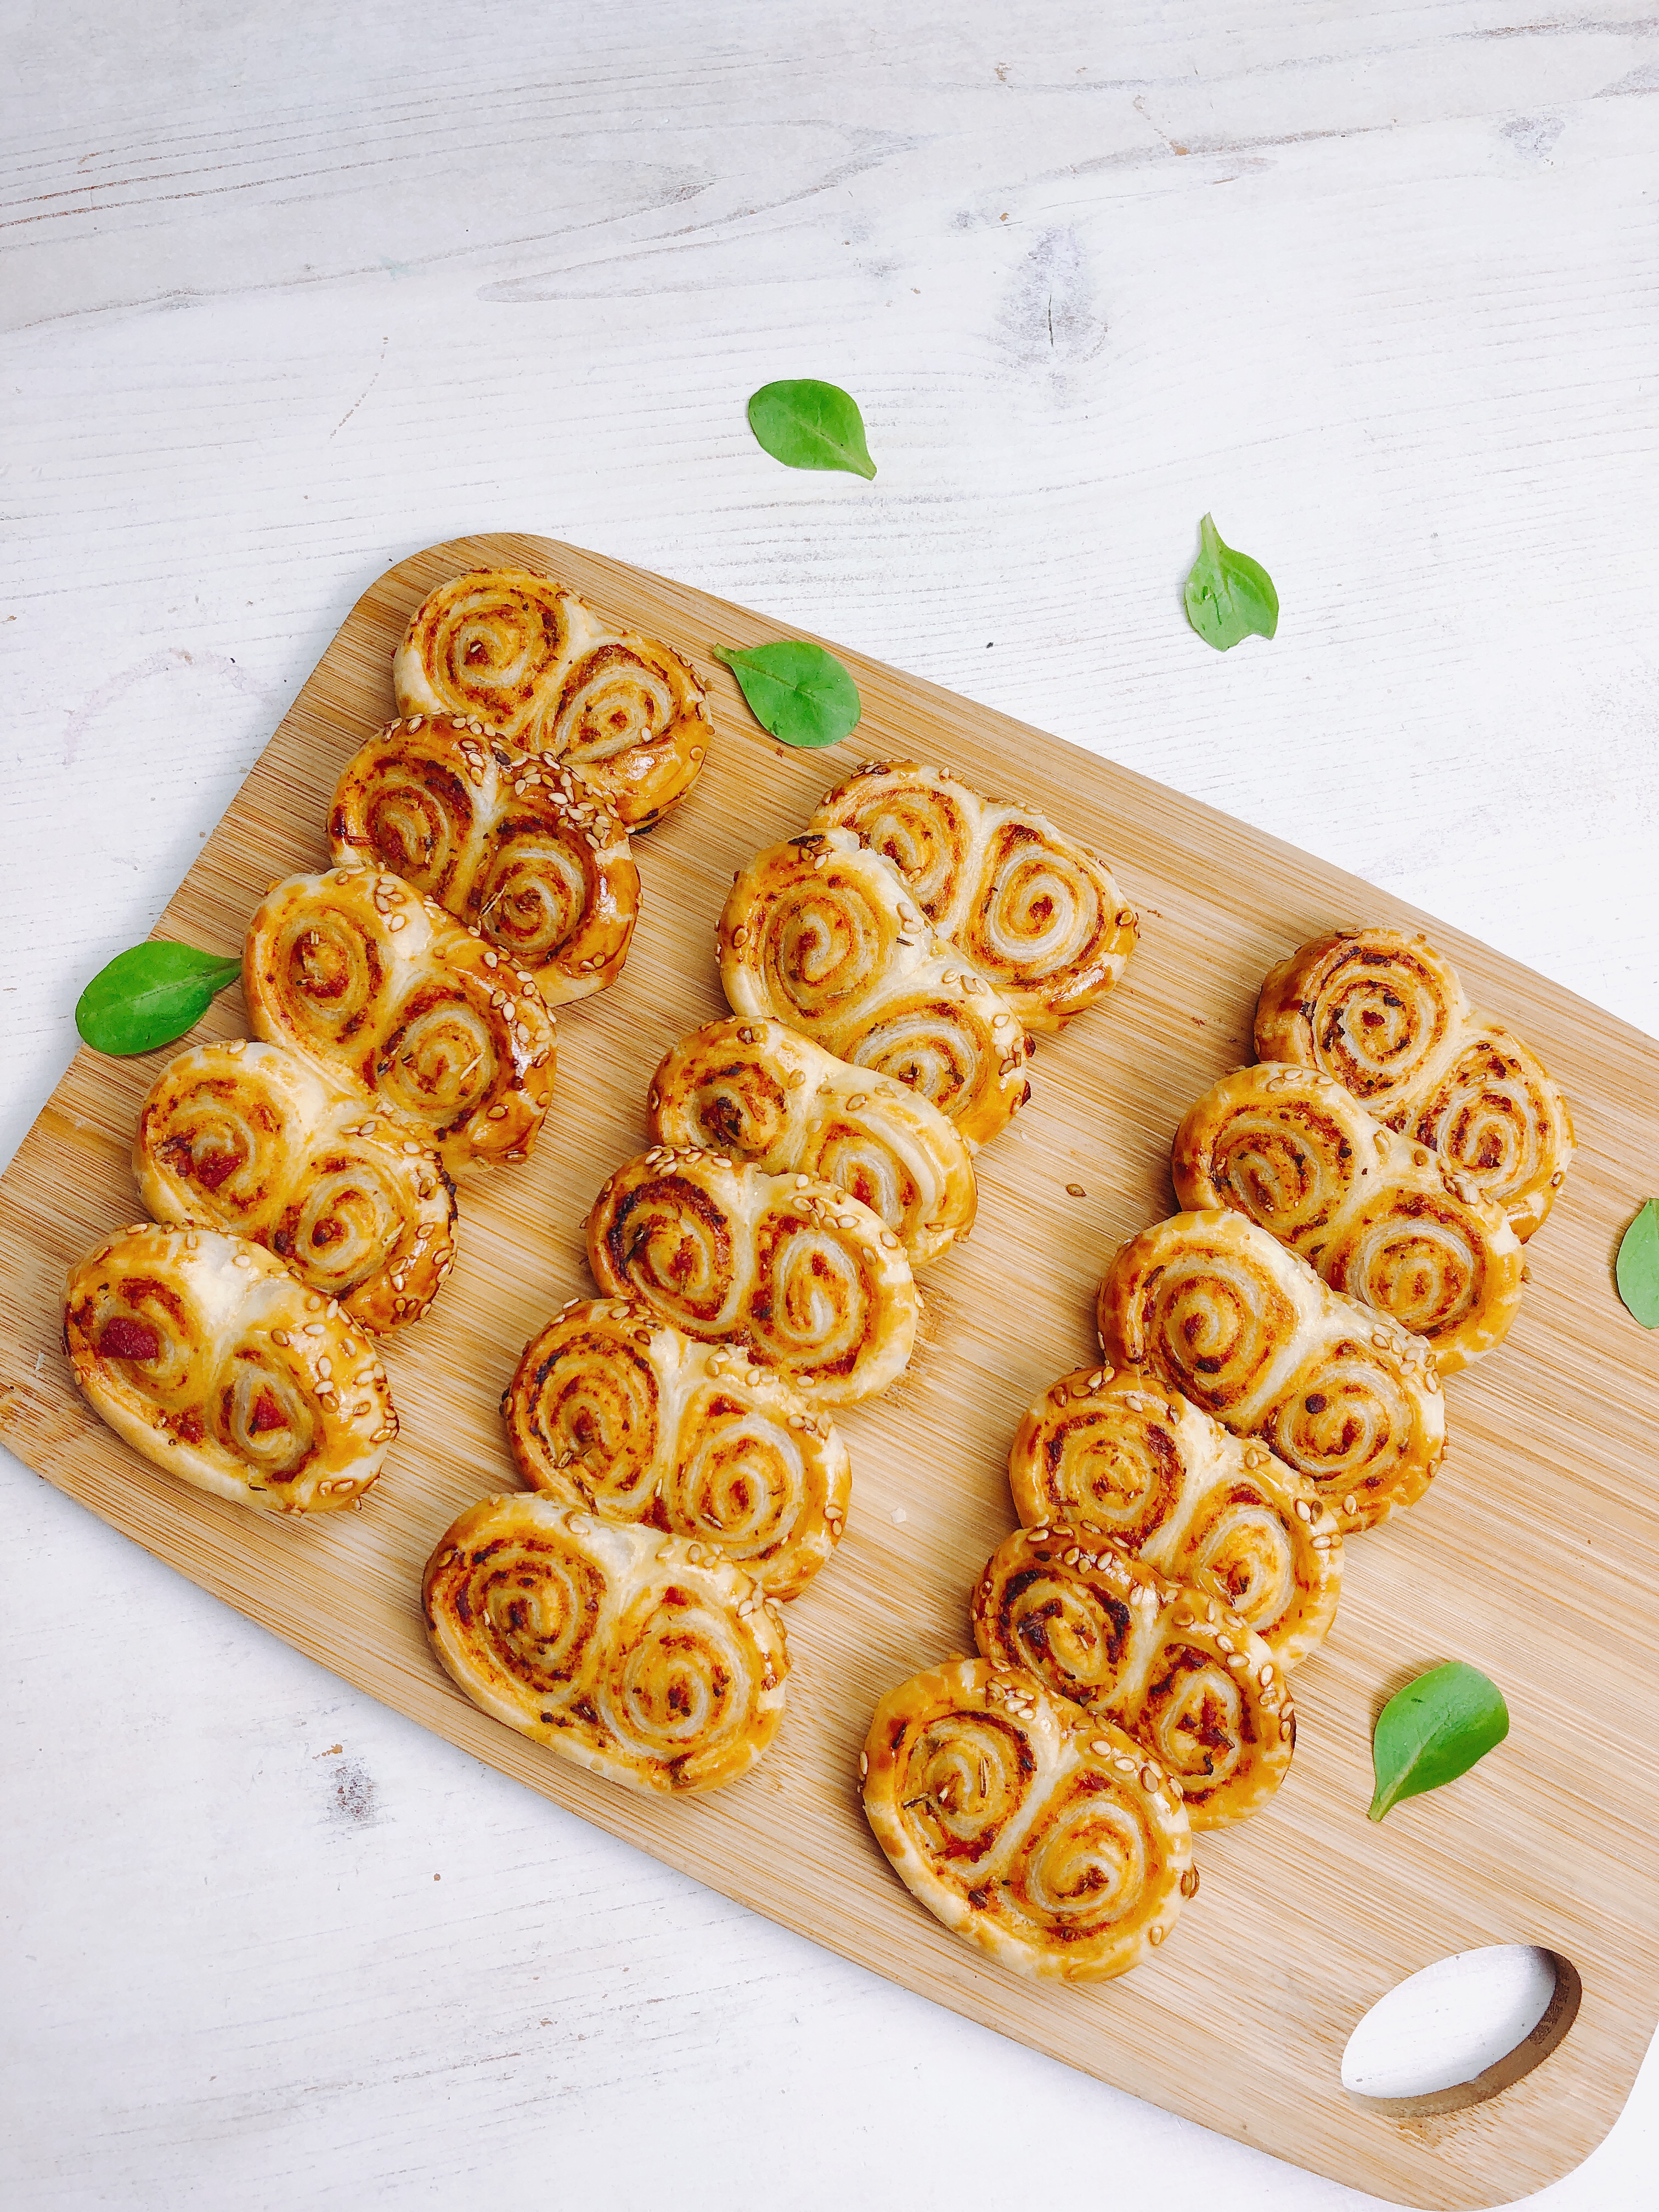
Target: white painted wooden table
(290, 292)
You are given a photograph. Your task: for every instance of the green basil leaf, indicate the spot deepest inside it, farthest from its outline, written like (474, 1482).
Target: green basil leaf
(1433, 1731)
(150, 994)
(1636, 1272)
(1229, 596)
(797, 691)
(809, 425)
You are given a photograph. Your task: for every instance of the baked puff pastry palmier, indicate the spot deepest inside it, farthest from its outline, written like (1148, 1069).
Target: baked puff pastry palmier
(1042, 1834)
(1222, 1313)
(509, 844)
(512, 649)
(1116, 1450)
(822, 935)
(765, 1094)
(802, 1278)
(643, 1657)
(1386, 1016)
(380, 989)
(206, 1355)
(613, 1412)
(1175, 1667)
(1379, 1216)
(251, 1139)
(1038, 913)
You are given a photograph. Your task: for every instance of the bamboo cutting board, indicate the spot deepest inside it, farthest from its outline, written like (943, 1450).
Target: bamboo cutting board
(1536, 1555)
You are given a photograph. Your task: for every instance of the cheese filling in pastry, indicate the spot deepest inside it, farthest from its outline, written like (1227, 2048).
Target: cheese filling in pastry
(515, 651)
(644, 1657)
(797, 1275)
(206, 1355)
(1044, 1835)
(1115, 1450)
(613, 1412)
(1175, 1667)
(1038, 913)
(382, 990)
(251, 1139)
(822, 935)
(513, 848)
(1380, 1217)
(1385, 1015)
(1224, 1314)
(765, 1095)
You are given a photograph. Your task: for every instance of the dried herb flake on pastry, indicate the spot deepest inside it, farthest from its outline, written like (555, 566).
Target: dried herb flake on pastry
(823, 935)
(382, 990)
(612, 1412)
(1224, 1314)
(508, 845)
(800, 1277)
(1118, 1451)
(1038, 913)
(515, 652)
(766, 1096)
(646, 1658)
(1042, 1834)
(1171, 1665)
(251, 1139)
(1386, 1015)
(208, 1357)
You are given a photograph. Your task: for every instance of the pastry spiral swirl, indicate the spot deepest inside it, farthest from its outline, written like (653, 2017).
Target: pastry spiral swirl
(381, 991)
(1378, 1215)
(1176, 1668)
(1038, 913)
(506, 844)
(249, 1137)
(802, 1278)
(821, 934)
(206, 1356)
(612, 1411)
(1114, 1450)
(1222, 1314)
(765, 1095)
(512, 650)
(1385, 1015)
(644, 1657)
(1045, 1836)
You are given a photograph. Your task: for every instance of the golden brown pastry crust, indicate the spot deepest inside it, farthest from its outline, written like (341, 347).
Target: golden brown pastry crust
(1171, 1665)
(804, 1279)
(1038, 913)
(766, 1096)
(1381, 1217)
(821, 934)
(383, 992)
(204, 1354)
(250, 1138)
(612, 1412)
(643, 1657)
(515, 651)
(1224, 1314)
(1385, 1015)
(509, 844)
(1043, 1835)
(1115, 1449)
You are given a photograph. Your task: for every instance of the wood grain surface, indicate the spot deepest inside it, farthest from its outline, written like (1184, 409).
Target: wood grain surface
(1534, 1555)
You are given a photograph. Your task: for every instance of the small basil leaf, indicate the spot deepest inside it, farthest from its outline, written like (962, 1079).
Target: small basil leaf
(1433, 1731)
(797, 691)
(150, 994)
(809, 425)
(1636, 1270)
(1229, 596)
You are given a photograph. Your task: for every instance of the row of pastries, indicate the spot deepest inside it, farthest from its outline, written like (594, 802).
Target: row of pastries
(1272, 1356)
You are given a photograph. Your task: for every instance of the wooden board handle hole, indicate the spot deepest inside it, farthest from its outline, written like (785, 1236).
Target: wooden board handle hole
(1460, 2030)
